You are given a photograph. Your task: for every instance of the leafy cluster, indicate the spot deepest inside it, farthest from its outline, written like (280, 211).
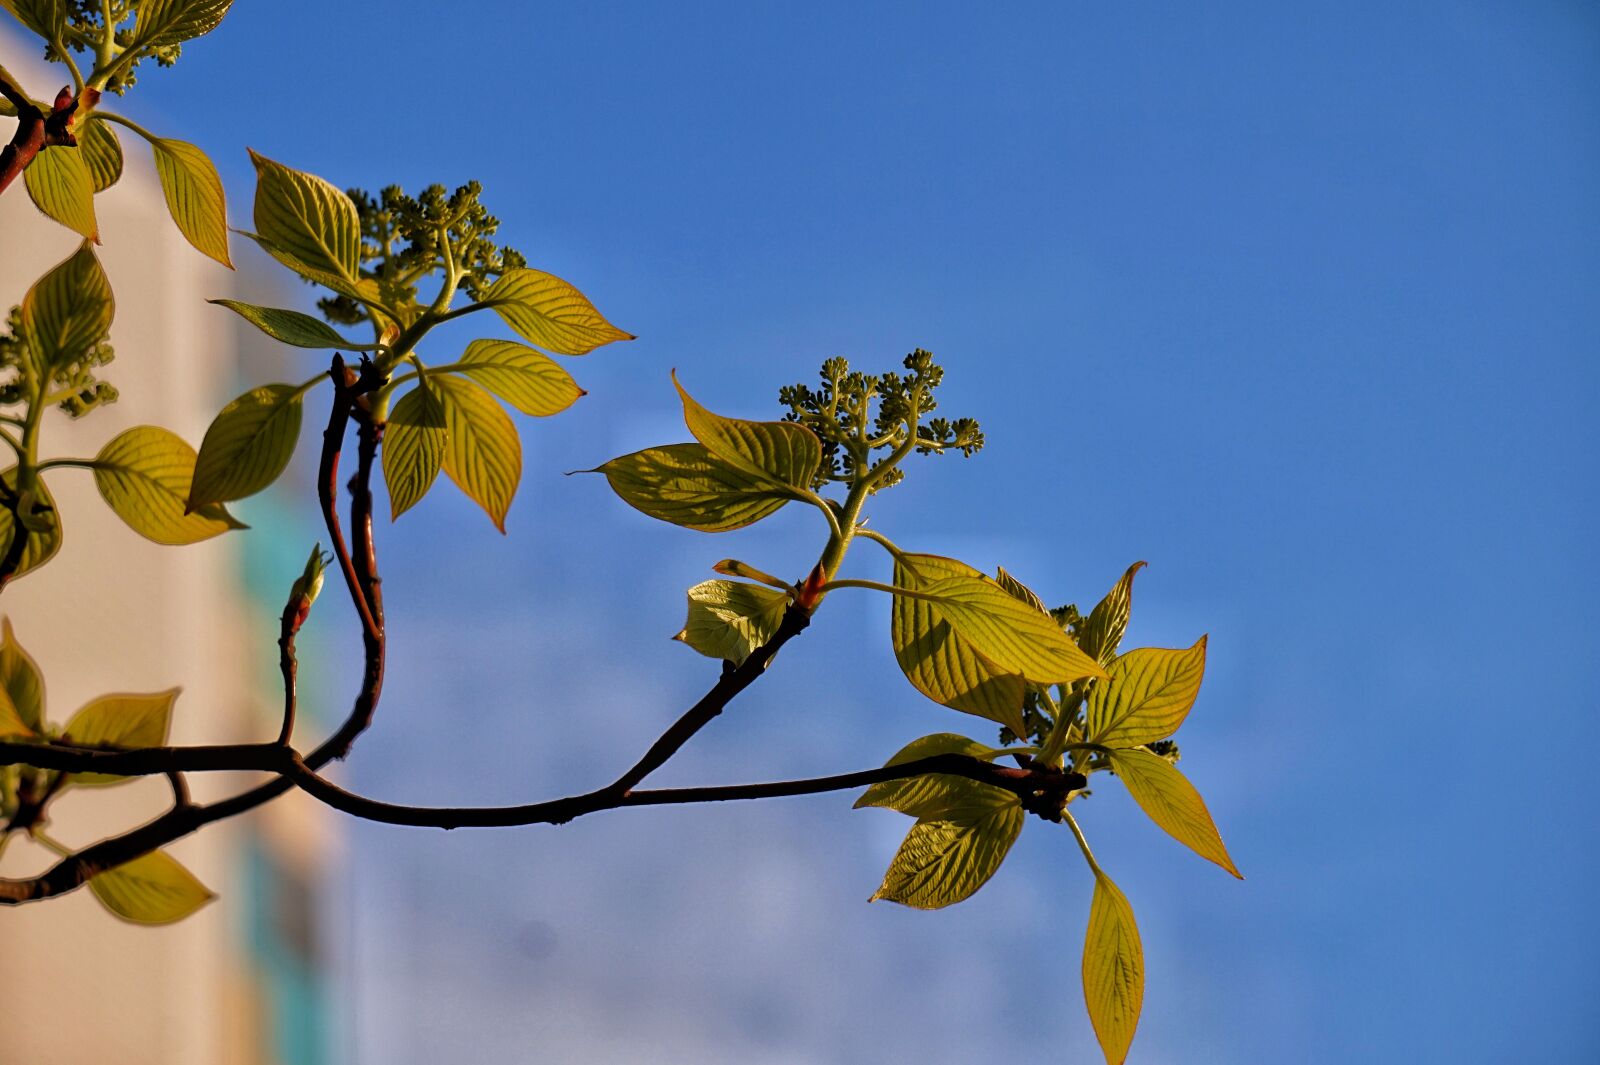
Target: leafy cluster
(119, 34)
(73, 384)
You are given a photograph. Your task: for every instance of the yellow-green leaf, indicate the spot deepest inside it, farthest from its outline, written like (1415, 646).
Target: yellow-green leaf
(167, 22)
(304, 220)
(153, 888)
(144, 475)
(45, 540)
(1102, 631)
(1009, 632)
(60, 185)
(933, 794)
(729, 619)
(12, 726)
(940, 662)
(548, 311)
(120, 720)
(946, 858)
(1172, 803)
(414, 445)
(484, 454)
(68, 311)
(685, 485)
(101, 151)
(1113, 970)
(1146, 696)
(247, 446)
(785, 453)
(194, 196)
(44, 17)
(530, 381)
(20, 679)
(289, 327)
(1017, 590)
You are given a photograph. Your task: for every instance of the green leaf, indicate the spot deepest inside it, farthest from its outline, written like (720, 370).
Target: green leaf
(1113, 970)
(42, 543)
(931, 794)
(248, 445)
(1017, 590)
(1009, 632)
(953, 850)
(484, 454)
(686, 485)
(548, 311)
(730, 619)
(20, 679)
(67, 311)
(305, 221)
(414, 446)
(162, 23)
(1146, 697)
(1172, 803)
(144, 474)
(153, 888)
(289, 327)
(940, 662)
(47, 18)
(1102, 631)
(784, 453)
(12, 726)
(60, 184)
(101, 151)
(129, 721)
(194, 196)
(530, 381)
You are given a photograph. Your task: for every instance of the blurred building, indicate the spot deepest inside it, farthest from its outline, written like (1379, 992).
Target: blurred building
(243, 982)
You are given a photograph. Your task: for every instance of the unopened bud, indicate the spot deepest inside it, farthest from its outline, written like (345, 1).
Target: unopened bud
(308, 585)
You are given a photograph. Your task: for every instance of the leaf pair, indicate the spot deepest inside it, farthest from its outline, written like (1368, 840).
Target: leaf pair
(449, 423)
(736, 473)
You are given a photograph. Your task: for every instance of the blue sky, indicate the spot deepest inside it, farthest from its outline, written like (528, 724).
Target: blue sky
(1296, 302)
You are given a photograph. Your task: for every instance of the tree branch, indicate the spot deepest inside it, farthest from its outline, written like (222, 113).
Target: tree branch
(36, 130)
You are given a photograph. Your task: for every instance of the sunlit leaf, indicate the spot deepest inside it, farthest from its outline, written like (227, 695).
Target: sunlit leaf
(44, 17)
(685, 485)
(101, 151)
(12, 726)
(60, 184)
(1009, 632)
(729, 619)
(530, 381)
(1113, 970)
(1172, 803)
(168, 22)
(44, 541)
(484, 455)
(289, 327)
(305, 218)
(1146, 697)
(1102, 631)
(940, 662)
(549, 312)
(20, 679)
(414, 445)
(247, 446)
(144, 474)
(132, 721)
(931, 794)
(1017, 590)
(194, 196)
(151, 889)
(785, 453)
(67, 311)
(953, 850)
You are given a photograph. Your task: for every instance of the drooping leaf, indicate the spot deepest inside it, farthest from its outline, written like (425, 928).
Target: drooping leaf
(414, 446)
(685, 485)
(730, 619)
(45, 539)
(549, 312)
(785, 453)
(67, 311)
(20, 679)
(121, 720)
(304, 220)
(953, 851)
(1102, 631)
(289, 327)
(931, 794)
(102, 152)
(144, 474)
(940, 662)
(247, 446)
(483, 455)
(1113, 970)
(1146, 696)
(1017, 590)
(151, 889)
(168, 22)
(1172, 803)
(12, 726)
(529, 380)
(194, 195)
(60, 184)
